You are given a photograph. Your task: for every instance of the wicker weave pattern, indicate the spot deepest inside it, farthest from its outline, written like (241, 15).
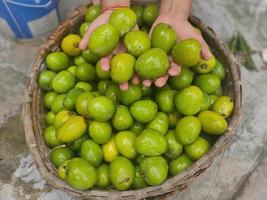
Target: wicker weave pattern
(33, 115)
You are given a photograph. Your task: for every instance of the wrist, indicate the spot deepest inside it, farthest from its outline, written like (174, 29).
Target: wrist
(178, 9)
(112, 4)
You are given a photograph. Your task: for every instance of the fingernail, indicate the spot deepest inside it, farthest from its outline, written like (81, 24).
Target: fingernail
(147, 83)
(104, 64)
(135, 80)
(124, 86)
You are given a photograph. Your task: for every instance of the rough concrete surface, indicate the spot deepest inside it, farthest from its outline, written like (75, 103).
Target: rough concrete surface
(239, 173)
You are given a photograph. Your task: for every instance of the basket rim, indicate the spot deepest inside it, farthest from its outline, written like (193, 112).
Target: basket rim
(170, 184)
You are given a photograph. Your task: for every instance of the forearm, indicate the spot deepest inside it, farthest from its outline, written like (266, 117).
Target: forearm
(179, 8)
(113, 3)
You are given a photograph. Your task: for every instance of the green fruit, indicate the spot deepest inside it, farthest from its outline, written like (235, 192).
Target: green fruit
(137, 127)
(122, 118)
(188, 100)
(70, 44)
(61, 171)
(100, 73)
(60, 154)
(101, 108)
(144, 29)
(102, 86)
(165, 100)
(159, 123)
(96, 93)
(212, 122)
(137, 42)
(219, 70)
(90, 56)
(208, 83)
(174, 117)
(83, 28)
(103, 40)
(84, 85)
(45, 79)
(139, 158)
(91, 152)
(72, 70)
(205, 66)
(123, 20)
(72, 129)
(205, 103)
(197, 149)
(82, 102)
(187, 130)
(125, 143)
(122, 67)
(50, 137)
(174, 148)
(218, 92)
(71, 98)
(152, 63)
(212, 99)
(110, 150)
(179, 164)
(100, 132)
(113, 92)
(151, 143)
(85, 72)
(138, 9)
(80, 174)
(49, 98)
(146, 91)
(57, 61)
(144, 110)
(57, 104)
(131, 95)
(78, 60)
(77, 144)
(224, 105)
(92, 12)
(186, 52)
(63, 82)
(150, 13)
(164, 37)
(62, 117)
(121, 173)
(184, 79)
(154, 170)
(50, 118)
(138, 181)
(102, 176)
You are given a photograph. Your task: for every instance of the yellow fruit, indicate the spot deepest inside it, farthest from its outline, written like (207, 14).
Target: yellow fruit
(110, 150)
(70, 45)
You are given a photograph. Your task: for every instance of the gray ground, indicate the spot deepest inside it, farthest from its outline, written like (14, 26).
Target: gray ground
(240, 173)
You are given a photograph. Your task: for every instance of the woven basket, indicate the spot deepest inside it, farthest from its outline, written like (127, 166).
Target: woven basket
(33, 117)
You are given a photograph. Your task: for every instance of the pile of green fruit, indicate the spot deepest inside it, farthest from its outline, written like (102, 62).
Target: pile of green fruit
(106, 138)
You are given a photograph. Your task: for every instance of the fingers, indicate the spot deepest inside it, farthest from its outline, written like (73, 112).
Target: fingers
(124, 86)
(84, 43)
(102, 19)
(147, 83)
(136, 79)
(174, 70)
(205, 51)
(119, 49)
(161, 81)
(104, 64)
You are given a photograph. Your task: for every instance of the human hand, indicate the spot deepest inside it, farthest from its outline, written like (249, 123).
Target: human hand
(184, 30)
(108, 8)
